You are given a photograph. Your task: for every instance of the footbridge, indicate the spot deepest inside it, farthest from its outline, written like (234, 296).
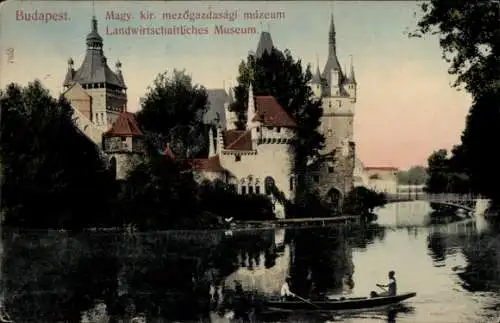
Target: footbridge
(462, 201)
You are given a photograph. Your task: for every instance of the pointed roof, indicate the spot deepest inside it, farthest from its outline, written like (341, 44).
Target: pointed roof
(270, 113)
(94, 68)
(238, 140)
(125, 126)
(352, 77)
(332, 61)
(316, 79)
(265, 44)
(211, 164)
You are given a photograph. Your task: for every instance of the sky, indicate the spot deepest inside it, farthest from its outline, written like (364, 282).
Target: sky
(405, 108)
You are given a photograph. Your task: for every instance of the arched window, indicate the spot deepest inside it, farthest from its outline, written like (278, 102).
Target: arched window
(292, 180)
(112, 166)
(269, 185)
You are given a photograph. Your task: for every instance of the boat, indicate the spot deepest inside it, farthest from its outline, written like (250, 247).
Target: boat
(337, 305)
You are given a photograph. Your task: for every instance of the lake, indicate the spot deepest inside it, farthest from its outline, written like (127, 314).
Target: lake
(453, 264)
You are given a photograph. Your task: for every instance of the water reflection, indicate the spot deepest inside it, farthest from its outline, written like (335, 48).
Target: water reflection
(56, 276)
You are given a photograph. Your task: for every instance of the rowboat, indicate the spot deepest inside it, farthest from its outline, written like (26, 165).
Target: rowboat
(338, 305)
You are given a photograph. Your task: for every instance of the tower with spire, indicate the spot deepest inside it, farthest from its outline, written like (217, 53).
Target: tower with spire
(99, 100)
(106, 87)
(334, 176)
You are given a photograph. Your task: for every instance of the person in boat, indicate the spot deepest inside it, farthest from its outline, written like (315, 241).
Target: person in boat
(286, 293)
(391, 285)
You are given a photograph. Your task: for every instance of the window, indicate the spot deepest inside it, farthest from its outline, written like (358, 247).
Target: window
(330, 133)
(291, 183)
(278, 129)
(270, 128)
(330, 169)
(257, 129)
(243, 190)
(257, 189)
(124, 139)
(250, 189)
(329, 104)
(316, 178)
(237, 158)
(340, 103)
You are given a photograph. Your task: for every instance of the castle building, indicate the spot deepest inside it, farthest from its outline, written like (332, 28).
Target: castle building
(255, 159)
(99, 100)
(333, 174)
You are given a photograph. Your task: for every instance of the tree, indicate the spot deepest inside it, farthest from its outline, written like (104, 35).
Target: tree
(470, 39)
(173, 111)
(279, 75)
(416, 175)
(53, 176)
(363, 201)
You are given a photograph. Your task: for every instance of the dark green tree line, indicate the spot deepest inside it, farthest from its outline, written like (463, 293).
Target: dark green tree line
(52, 175)
(469, 34)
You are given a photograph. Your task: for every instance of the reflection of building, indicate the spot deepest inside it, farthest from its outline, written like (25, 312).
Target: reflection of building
(257, 276)
(382, 179)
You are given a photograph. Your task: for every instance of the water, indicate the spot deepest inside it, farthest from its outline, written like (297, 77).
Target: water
(453, 264)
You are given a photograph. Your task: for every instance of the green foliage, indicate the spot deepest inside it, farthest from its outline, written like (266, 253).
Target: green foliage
(172, 112)
(279, 75)
(219, 198)
(53, 177)
(443, 176)
(361, 201)
(416, 175)
(470, 36)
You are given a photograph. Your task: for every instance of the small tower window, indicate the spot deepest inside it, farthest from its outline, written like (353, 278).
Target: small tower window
(250, 189)
(243, 190)
(291, 183)
(257, 189)
(330, 133)
(329, 104)
(278, 129)
(237, 158)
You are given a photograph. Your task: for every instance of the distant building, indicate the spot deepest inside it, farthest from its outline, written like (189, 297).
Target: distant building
(382, 179)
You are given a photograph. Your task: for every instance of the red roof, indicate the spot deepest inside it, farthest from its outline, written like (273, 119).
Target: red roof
(238, 140)
(168, 152)
(270, 113)
(125, 125)
(211, 164)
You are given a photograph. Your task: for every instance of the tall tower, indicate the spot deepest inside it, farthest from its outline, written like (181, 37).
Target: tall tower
(334, 175)
(106, 87)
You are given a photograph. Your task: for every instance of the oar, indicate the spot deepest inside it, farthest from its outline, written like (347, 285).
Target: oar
(307, 302)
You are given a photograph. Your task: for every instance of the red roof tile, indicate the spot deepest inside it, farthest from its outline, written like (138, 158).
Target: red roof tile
(211, 164)
(168, 152)
(238, 140)
(270, 113)
(125, 125)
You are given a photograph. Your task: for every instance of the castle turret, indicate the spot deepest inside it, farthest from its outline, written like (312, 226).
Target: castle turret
(316, 83)
(251, 124)
(211, 143)
(333, 79)
(107, 88)
(351, 83)
(265, 44)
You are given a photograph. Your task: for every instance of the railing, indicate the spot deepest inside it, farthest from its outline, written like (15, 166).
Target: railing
(441, 197)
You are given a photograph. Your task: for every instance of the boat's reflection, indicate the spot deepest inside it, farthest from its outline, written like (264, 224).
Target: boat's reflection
(387, 314)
